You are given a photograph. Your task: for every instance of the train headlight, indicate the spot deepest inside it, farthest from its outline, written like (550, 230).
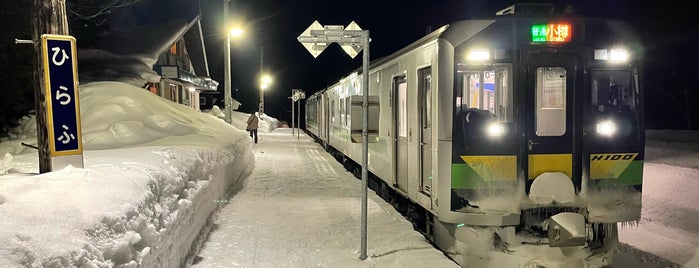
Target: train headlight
(478, 55)
(619, 55)
(496, 129)
(615, 55)
(606, 128)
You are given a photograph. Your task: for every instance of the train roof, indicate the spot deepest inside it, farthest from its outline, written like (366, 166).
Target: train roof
(460, 31)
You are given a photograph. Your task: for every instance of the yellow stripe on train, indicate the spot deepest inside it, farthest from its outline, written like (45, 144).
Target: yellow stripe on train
(541, 163)
(609, 166)
(493, 167)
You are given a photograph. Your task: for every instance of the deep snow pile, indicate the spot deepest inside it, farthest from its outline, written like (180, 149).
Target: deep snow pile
(153, 172)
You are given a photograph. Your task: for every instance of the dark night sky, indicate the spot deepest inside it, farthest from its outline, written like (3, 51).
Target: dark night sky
(669, 31)
(275, 25)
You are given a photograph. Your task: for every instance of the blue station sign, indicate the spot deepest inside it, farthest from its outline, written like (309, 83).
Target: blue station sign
(62, 103)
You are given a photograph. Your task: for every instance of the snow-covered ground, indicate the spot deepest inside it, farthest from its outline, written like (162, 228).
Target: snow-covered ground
(156, 173)
(153, 169)
(669, 226)
(301, 208)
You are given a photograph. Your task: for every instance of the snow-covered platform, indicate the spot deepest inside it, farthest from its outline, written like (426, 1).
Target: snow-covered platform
(301, 208)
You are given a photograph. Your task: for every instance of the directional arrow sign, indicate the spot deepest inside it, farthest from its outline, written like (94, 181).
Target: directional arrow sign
(352, 40)
(352, 49)
(314, 48)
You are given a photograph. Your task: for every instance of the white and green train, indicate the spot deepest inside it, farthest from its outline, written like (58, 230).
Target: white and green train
(523, 132)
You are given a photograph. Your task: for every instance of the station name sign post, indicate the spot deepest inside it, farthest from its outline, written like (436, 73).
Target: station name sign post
(59, 57)
(296, 96)
(353, 40)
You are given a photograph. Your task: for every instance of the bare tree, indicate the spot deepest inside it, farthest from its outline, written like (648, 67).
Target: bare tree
(96, 11)
(682, 95)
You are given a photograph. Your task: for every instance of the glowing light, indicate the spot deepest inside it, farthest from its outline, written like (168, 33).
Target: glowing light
(496, 129)
(552, 32)
(236, 32)
(619, 55)
(265, 81)
(478, 55)
(606, 128)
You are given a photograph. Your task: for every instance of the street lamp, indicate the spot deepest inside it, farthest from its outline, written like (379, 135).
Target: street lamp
(265, 81)
(234, 32)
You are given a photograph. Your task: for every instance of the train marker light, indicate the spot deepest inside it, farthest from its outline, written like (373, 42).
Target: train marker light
(552, 32)
(606, 128)
(601, 54)
(478, 55)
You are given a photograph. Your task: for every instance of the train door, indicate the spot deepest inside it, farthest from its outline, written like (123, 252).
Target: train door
(425, 103)
(400, 117)
(551, 118)
(325, 131)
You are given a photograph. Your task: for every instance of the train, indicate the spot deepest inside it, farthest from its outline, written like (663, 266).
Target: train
(518, 138)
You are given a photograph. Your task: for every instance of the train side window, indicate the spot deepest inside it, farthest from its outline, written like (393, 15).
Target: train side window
(343, 111)
(347, 111)
(550, 101)
(402, 116)
(332, 111)
(426, 86)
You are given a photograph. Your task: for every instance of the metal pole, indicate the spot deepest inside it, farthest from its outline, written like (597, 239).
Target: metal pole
(292, 116)
(262, 90)
(227, 67)
(365, 139)
(298, 133)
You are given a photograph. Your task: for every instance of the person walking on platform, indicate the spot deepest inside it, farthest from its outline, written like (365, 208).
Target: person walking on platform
(253, 121)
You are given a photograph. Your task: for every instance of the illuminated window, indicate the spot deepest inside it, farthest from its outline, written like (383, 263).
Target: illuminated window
(402, 108)
(332, 111)
(550, 101)
(173, 49)
(426, 87)
(488, 90)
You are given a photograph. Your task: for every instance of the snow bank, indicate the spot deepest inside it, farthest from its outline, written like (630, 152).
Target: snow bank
(154, 171)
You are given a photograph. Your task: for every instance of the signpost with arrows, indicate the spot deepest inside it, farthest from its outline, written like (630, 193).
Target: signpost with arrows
(296, 96)
(353, 40)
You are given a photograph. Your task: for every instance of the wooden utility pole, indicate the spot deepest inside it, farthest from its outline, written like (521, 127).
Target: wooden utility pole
(48, 17)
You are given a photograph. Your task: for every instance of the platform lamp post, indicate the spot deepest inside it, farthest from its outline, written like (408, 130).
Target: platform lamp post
(265, 82)
(235, 32)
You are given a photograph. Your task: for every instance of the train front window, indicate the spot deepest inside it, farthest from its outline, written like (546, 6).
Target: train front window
(612, 91)
(487, 90)
(550, 101)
